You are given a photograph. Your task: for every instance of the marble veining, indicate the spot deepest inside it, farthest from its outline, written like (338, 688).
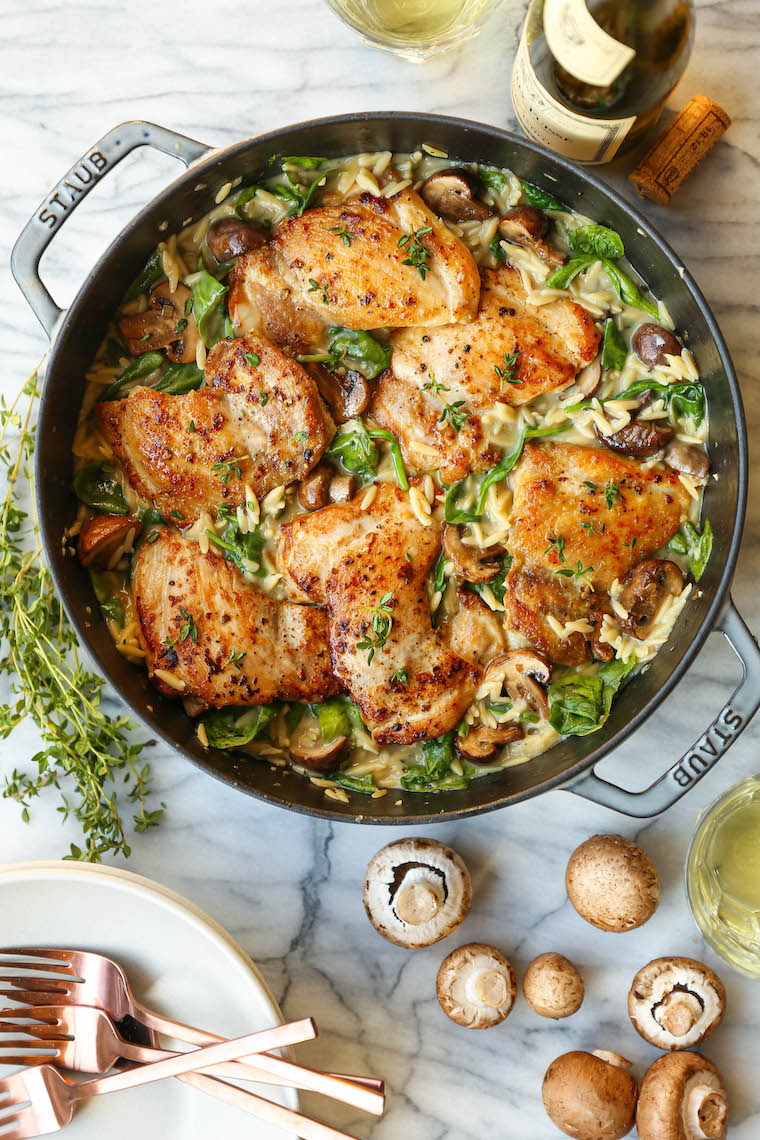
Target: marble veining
(287, 887)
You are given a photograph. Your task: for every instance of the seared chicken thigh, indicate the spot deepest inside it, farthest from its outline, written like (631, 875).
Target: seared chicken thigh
(346, 264)
(547, 345)
(370, 568)
(581, 518)
(258, 421)
(220, 638)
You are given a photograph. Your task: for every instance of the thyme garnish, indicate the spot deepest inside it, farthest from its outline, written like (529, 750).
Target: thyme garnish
(225, 468)
(557, 543)
(579, 574)
(508, 374)
(380, 626)
(612, 494)
(417, 254)
(457, 418)
(314, 286)
(344, 234)
(188, 628)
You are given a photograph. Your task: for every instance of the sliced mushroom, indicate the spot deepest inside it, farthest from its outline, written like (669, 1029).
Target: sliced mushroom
(476, 986)
(452, 194)
(101, 537)
(342, 488)
(346, 394)
(168, 323)
(416, 892)
(591, 1096)
(639, 438)
(522, 672)
(314, 490)
(612, 883)
(683, 1097)
(653, 345)
(231, 236)
(586, 382)
(323, 757)
(469, 562)
(675, 1003)
(643, 593)
(689, 458)
(553, 987)
(526, 226)
(482, 743)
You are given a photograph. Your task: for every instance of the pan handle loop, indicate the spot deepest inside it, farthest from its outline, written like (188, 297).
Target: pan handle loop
(702, 756)
(63, 199)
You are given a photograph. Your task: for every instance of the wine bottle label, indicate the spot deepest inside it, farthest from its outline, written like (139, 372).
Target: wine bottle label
(547, 121)
(580, 46)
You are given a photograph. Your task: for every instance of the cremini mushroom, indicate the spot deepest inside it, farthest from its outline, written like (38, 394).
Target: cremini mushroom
(644, 590)
(101, 537)
(345, 393)
(521, 673)
(526, 226)
(476, 986)
(688, 458)
(469, 562)
(683, 1097)
(231, 236)
(168, 323)
(675, 1003)
(314, 490)
(321, 757)
(653, 345)
(452, 193)
(552, 986)
(586, 382)
(591, 1096)
(639, 438)
(416, 892)
(612, 883)
(342, 488)
(481, 743)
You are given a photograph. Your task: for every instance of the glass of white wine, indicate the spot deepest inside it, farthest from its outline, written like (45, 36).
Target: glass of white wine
(414, 29)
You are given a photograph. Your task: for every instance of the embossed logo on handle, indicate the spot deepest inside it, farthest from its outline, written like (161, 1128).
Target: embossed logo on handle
(709, 748)
(71, 188)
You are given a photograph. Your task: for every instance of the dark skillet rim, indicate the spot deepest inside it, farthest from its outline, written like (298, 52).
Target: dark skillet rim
(153, 721)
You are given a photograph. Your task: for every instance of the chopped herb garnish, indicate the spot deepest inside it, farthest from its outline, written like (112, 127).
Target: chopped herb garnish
(145, 336)
(632, 543)
(457, 418)
(402, 676)
(612, 494)
(417, 254)
(152, 537)
(252, 359)
(300, 437)
(579, 574)
(236, 658)
(344, 234)
(557, 543)
(181, 325)
(508, 374)
(226, 468)
(188, 306)
(380, 626)
(408, 556)
(188, 628)
(263, 398)
(176, 514)
(590, 528)
(590, 486)
(191, 426)
(314, 286)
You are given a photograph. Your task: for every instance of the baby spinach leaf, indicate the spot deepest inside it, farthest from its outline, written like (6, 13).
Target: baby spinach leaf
(367, 355)
(599, 240)
(493, 179)
(228, 728)
(113, 610)
(245, 196)
(396, 457)
(146, 278)
(561, 278)
(333, 718)
(116, 351)
(614, 348)
(208, 309)
(356, 451)
(95, 487)
(701, 551)
(628, 291)
(299, 197)
(364, 784)
(179, 378)
(238, 548)
(682, 398)
(497, 249)
(535, 196)
(437, 758)
(497, 585)
(110, 604)
(581, 704)
(137, 370)
(306, 161)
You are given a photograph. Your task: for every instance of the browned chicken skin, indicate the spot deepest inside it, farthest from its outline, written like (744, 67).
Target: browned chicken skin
(551, 342)
(283, 645)
(309, 272)
(414, 687)
(561, 518)
(257, 424)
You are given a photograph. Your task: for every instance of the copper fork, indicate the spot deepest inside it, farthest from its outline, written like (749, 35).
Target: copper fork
(39, 1100)
(83, 978)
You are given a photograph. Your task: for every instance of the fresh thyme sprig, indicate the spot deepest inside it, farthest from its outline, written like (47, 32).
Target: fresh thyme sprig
(579, 574)
(380, 627)
(557, 543)
(226, 468)
(188, 628)
(416, 253)
(84, 751)
(344, 234)
(508, 373)
(457, 418)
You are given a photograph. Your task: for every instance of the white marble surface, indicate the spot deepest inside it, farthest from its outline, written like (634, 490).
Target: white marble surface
(290, 888)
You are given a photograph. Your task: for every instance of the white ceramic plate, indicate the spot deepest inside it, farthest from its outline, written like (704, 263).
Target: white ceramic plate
(178, 961)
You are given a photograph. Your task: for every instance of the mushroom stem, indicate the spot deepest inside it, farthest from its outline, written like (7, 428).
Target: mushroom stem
(488, 987)
(679, 1012)
(418, 903)
(705, 1112)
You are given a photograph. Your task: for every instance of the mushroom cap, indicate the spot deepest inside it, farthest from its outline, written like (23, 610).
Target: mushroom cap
(683, 1097)
(416, 892)
(612, 883)
(552, 986)
(476, 986)
(452, 194)
(590, 1097)
(675, 1003)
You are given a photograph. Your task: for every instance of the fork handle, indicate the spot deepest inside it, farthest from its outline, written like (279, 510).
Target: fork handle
(276, 1114)
(366, 1097)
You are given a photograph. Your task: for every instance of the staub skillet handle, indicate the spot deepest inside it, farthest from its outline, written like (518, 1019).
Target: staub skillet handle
(714, 742)
(94, 164)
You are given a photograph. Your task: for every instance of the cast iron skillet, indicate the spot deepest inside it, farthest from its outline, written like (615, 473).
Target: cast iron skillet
(76, 333)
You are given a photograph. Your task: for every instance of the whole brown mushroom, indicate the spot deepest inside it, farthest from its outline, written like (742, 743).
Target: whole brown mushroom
(683, 1097)
(644, 591)
(476, 986)
(612, 883)
(591, 1096)
(674, 1003)
(552, 986)
(231, 236)
(452, 193)
(653, 344)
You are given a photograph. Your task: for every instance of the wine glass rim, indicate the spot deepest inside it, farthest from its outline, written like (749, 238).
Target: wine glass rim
(389, 42)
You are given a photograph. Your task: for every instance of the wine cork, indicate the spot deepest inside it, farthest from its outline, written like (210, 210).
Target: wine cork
(683, 146)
